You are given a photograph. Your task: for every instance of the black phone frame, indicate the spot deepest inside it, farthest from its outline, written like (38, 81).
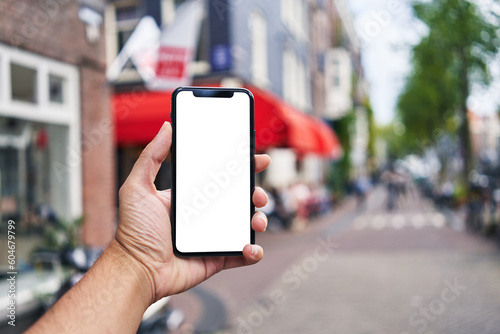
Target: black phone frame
(215, 92)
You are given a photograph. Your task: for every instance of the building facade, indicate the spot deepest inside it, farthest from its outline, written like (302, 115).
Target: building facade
(261, 45)
(56, 134)
(346, 88)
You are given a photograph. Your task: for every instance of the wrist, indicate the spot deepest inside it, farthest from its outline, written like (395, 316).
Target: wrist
(138, 275)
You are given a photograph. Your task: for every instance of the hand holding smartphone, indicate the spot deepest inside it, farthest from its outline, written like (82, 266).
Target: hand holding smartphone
(212, 171)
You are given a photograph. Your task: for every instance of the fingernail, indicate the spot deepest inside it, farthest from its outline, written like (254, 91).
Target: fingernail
(254, 250)
(162, 127)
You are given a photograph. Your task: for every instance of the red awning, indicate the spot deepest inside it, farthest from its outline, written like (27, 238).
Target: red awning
(270, 126)
(139, 115)
(291, 128)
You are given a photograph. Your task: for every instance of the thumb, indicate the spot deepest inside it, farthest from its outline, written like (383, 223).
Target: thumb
(149, 162)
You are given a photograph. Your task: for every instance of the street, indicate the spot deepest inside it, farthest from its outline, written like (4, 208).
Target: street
(134, 128)
(359, 270)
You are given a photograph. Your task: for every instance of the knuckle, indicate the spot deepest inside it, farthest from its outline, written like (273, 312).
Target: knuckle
(124, 191)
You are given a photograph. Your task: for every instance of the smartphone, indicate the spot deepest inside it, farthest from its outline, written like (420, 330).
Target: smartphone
(213, 180)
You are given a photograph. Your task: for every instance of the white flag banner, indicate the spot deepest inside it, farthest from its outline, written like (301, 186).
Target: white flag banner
(177, 47)
(142, 48)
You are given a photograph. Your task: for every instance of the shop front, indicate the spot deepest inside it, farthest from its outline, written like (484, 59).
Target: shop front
(40, 145)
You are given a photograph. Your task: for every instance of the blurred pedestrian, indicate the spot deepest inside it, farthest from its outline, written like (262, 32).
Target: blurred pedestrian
(300, 194)
(361, 187)
(395, 184)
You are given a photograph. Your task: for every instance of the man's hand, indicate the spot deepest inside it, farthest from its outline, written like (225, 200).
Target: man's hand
(144, 235)
(139, 267)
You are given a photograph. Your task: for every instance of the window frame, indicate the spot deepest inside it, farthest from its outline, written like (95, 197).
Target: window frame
(43, 110)
(259, 77)
(66, 114)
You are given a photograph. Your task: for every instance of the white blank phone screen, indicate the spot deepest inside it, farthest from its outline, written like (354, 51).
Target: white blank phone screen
(212, 173)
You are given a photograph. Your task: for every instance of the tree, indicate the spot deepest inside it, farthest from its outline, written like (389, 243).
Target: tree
(446, 63)
(371, 128)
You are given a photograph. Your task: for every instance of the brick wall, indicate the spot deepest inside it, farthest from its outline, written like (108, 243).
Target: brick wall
(51, 28)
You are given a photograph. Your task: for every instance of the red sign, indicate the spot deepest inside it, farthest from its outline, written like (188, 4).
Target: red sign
(172, 63)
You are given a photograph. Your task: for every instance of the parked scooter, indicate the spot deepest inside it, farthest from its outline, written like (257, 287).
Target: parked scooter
(158, 318)
(76, 261)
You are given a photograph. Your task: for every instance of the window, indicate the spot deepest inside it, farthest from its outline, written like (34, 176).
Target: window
(258, 31)
(296, 82)
(336, 72)
(294, 15)
(294, 78)
(288, 74)
(336, 80)
(23, 83)
(302, 85)
(167, 11)
(126, 13)
(126, 20)
(56, 89)
(287, 13)
(122, 38)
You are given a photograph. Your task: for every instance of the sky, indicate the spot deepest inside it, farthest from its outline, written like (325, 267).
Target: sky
(387, 30)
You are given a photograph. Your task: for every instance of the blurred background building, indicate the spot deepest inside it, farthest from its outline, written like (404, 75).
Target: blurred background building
(56, 132)
(299, 58)
(485, 139)
(85, 85)
(64, 152)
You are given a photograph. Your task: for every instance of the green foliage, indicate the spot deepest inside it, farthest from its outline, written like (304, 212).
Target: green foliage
(372, 131)
(460, 192)
(446, 62)
(341, 170)
(428, 98)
